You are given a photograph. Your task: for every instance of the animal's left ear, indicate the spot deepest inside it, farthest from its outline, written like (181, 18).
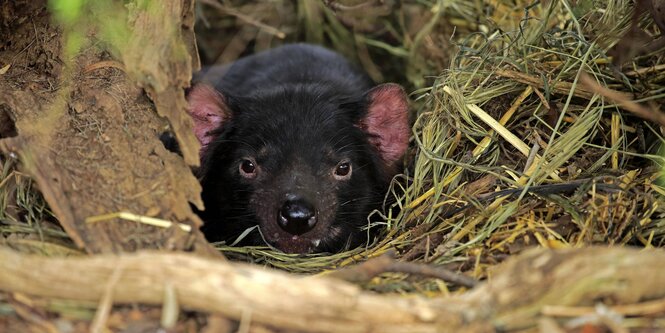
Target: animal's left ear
(387, 121)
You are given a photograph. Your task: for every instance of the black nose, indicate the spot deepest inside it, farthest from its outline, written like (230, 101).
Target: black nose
(297, 216)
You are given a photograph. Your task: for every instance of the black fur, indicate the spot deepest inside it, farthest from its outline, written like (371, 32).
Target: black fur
(295, 110)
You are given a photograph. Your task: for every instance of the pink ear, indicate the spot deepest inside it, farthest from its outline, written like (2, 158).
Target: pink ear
(387, 121)
(208, 109)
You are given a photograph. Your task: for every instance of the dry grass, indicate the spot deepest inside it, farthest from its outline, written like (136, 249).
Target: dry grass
(26, 223)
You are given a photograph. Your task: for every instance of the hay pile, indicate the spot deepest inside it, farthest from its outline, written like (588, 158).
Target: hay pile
(500, 105)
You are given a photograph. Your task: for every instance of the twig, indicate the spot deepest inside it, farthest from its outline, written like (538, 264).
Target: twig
(98, 324)
(271, 30)
(104, 64)
(386, 263)
(336, 6)
(624, 101)
(545, 189)
(560, 87)
(431, 271)
(140, 219)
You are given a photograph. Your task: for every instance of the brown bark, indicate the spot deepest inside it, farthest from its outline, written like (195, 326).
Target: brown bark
(86, 131)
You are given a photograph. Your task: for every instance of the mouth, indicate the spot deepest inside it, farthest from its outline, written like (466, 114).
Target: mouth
(303, 244)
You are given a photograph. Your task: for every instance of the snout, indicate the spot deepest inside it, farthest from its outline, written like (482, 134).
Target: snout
(296, 215)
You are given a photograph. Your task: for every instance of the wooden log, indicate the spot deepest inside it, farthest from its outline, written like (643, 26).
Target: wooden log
(270, 297)
(512, 300)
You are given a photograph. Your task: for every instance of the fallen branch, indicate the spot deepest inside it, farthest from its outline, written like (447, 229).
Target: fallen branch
(273, 298)
(513, 299)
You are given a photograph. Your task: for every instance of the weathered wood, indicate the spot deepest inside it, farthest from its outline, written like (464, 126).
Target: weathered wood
(271, 297)
(521, 287)
(160, 56)
(512, 299)
(87, 133)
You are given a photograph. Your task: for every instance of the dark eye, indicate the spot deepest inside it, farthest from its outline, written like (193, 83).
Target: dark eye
(247, 168)
(343, 170)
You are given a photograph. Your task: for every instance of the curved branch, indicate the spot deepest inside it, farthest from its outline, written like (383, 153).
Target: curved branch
(518, 291)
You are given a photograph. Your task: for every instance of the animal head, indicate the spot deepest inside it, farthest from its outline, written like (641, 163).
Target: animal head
(304, 165)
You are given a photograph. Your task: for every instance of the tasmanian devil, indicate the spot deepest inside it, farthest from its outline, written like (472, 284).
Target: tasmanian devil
(300, 143)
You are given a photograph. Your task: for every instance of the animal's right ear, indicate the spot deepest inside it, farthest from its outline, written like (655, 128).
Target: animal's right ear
(209, 110)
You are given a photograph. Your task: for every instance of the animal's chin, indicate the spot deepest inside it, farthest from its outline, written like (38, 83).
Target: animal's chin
(296, 244)
(308, 242)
